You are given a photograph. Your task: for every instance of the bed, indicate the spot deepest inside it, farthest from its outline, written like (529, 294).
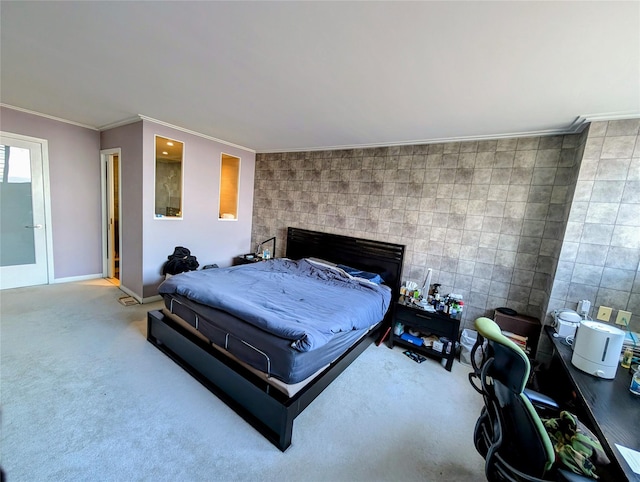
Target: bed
(269, 374)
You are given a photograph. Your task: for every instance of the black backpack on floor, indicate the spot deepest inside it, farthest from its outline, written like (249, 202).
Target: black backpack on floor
(180, 261)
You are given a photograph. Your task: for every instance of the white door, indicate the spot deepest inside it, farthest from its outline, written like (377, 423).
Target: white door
(23, 238)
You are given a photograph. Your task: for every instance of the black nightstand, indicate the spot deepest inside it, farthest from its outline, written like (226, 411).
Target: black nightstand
(438, 324)
(245, 259)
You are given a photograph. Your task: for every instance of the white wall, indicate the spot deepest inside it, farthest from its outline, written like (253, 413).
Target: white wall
(74, 164)
(129, 139)
(209, 239)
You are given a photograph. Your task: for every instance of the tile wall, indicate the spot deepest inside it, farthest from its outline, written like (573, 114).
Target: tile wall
(534, 223)
(488, 217)
(600, 256)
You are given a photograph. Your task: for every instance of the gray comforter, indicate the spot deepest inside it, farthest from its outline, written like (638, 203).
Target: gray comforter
(297, 300)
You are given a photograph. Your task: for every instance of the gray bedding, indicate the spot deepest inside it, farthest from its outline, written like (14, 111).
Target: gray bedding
(270, 354)
(299, 301)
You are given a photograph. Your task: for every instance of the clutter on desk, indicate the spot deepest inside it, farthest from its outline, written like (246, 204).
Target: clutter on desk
(432, 300)
(632, 341)
(627, 356)
(566, 322)
(635, 382)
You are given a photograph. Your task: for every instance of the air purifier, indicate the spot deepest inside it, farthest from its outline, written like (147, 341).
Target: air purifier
(596, 349)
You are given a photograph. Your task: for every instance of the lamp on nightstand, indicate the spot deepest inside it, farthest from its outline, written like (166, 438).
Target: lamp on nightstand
(266, 254)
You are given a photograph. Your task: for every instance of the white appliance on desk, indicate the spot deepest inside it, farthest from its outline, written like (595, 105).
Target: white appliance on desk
(596, 349)
(566, 322)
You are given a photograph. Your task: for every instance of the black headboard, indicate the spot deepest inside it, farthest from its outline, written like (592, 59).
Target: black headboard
(375, 256)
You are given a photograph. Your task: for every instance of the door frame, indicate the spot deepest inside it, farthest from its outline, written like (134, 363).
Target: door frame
(105, 157)
(46, 188)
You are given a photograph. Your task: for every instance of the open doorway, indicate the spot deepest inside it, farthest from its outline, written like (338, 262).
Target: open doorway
(111, 215)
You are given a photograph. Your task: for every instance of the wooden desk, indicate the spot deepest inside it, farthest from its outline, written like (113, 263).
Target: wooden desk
(614, 412)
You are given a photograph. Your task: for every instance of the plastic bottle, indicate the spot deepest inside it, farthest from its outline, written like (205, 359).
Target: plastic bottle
(635, 382)
(436, 292)
(266, 254)
(626, 358)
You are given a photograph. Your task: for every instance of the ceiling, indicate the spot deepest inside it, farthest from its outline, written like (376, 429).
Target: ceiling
(285, 76)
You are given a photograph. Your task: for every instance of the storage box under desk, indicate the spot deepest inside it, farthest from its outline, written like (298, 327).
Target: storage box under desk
(521, 325)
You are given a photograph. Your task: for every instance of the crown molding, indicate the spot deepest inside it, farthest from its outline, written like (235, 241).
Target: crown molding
(583, 120)
(194, 133)
(440, 140)
(47, 116)
(123, 122)
(574, 128)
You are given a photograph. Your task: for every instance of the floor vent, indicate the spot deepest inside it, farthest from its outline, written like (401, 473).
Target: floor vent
(128, 300)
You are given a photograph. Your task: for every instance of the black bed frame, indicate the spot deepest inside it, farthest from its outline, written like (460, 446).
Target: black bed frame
(267, 409)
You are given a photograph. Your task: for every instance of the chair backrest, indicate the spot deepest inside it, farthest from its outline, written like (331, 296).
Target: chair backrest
(519, 439)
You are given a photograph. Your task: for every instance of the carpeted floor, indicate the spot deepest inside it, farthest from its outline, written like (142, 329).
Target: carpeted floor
(84, 396)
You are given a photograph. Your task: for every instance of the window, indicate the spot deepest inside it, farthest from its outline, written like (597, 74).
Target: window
(169, 154)
(229, 187)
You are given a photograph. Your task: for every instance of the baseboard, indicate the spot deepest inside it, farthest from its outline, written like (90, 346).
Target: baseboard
(72, 279)
(130, 293)
(138, 298)
(152, 299)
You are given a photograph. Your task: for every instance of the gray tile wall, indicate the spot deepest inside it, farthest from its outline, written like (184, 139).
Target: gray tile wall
(600, 255)
(488, 217)
(533, 223)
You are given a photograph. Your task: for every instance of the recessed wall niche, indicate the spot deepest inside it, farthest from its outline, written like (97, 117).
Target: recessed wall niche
(229, 187)
(168, 192)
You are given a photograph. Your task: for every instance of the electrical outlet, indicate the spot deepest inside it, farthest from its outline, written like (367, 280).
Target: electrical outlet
(604, 313)
(584, 306)
(623, 318)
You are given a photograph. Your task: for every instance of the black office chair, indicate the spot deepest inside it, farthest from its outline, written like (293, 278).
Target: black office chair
(509, 433)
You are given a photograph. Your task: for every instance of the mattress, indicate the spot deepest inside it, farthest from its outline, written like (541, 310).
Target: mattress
(270, 355)
(299, 301)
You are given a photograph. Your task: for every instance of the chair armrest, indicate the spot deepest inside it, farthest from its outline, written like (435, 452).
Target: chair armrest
(540, 400)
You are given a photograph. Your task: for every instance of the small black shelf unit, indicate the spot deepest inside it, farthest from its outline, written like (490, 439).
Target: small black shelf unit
(441, 325)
